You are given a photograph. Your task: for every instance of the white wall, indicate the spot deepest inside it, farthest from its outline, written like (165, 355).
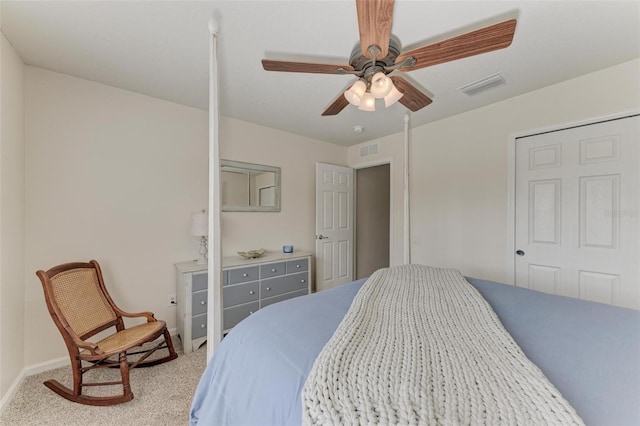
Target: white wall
(114, 176)
(12, 223)
(459, 167)
(296, 156)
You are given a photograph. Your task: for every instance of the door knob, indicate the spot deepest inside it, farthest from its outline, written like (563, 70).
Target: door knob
(321, 237)
(520, 253)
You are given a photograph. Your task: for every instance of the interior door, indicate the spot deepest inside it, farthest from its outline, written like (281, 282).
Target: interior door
(334, 225)
(578, 212)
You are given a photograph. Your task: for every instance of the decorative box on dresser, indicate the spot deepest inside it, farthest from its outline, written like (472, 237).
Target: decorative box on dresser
(248, 285)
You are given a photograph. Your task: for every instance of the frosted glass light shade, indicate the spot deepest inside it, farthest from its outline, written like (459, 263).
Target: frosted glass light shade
(199, 224)
(392, 97)
(380, 85)
(368, 102)
(355, 92)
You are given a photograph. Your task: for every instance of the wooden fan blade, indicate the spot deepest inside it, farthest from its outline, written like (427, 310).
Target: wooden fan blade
(413, 98)
(374, 22)
(484, 40)
(338, 105)
(287, 66)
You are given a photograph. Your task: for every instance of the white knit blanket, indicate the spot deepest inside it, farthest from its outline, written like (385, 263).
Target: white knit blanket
(420, 345)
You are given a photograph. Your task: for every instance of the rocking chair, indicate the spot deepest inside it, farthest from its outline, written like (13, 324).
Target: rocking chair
(81, 307)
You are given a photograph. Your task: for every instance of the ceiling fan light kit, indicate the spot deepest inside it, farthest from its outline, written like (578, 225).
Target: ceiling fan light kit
(392, 97)
(380, 87)
(368, 102)
(355, 92)
(377, 55)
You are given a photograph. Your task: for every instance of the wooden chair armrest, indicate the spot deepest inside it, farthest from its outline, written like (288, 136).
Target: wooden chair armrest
(148, 315)
(90, 346)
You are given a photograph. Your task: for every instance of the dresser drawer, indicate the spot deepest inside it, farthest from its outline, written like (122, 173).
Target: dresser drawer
(271, 300)
(198, 326)
(272, 270)
(297, 265)
(199, 303)
(199, 281)
(284, 284)
(240, 293)
(232, 316)
(243, 275)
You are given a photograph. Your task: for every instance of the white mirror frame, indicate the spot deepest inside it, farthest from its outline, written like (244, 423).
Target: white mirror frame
(254, 168)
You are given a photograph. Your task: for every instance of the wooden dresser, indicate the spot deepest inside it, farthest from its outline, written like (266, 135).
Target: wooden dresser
(248, 285)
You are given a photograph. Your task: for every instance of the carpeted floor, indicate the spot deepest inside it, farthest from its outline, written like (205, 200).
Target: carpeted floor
(162, 396)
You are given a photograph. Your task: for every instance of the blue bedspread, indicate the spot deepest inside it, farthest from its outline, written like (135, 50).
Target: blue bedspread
(589, 351)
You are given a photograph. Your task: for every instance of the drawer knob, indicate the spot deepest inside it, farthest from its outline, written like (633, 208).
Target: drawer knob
(251, 292)
(245, 275)
(202, 302)
(202, 325)
(268, 288)
(302, 281)
(297, 266)
(273, 269)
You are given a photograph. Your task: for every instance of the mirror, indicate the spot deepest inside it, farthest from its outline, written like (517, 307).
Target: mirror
(247, 187)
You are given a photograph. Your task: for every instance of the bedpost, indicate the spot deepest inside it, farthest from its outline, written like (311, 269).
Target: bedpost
(214, 296)
(407, 223)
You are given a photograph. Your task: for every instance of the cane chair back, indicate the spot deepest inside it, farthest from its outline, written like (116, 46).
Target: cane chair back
(81, 301)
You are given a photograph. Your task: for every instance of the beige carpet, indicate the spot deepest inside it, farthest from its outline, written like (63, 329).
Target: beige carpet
(161, 396)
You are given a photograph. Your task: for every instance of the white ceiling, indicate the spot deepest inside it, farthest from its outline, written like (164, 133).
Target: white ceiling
(161, 49)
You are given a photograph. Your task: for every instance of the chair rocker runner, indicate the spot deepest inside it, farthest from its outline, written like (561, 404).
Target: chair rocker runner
(81, 307)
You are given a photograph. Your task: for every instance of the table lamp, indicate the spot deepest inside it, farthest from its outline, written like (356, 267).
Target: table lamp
(200, 228)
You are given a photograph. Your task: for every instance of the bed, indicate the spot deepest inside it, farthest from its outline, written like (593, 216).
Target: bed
(589, 351)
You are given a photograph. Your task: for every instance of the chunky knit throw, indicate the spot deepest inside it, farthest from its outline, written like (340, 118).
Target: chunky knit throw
(420, 345)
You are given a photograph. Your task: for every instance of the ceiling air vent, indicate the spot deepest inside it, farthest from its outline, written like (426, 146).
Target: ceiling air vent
(369, 150)
(484, 84)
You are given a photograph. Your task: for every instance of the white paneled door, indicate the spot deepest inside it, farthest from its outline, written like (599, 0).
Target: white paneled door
(334, 225)
(578, 212)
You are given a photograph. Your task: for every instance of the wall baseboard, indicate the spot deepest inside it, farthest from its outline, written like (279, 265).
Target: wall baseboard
(34, 369)
(52, 364)
(11, 392)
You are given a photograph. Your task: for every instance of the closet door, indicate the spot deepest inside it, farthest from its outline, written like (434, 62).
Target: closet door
(578, 212)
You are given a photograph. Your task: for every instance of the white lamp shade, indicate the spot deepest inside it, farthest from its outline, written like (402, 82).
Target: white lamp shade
(392, 97)
(200, 224)
(355, 92)
(380, 85)
(368, 102)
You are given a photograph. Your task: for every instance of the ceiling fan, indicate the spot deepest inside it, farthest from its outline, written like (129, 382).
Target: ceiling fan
(377, 55)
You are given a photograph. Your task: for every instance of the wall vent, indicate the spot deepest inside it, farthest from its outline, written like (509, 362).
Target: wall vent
(484, 84)
(368, 150)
